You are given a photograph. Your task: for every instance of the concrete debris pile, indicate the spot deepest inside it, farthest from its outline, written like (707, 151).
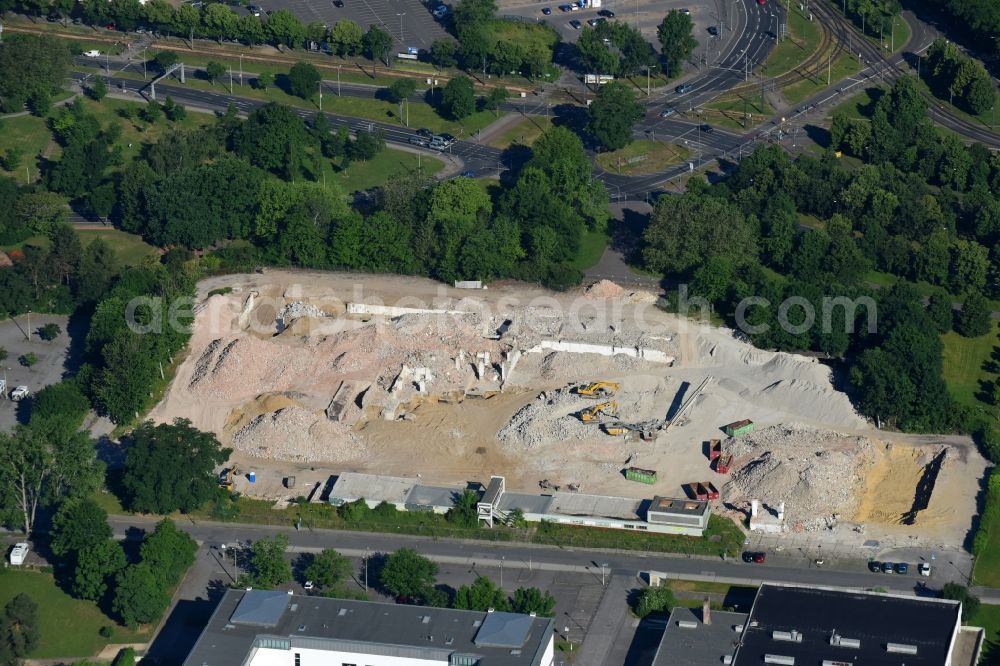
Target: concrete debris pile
(818, 474)
(604, 289)
(298, 434)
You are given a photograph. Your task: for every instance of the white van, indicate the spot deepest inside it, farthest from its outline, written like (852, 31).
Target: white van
(19, 554)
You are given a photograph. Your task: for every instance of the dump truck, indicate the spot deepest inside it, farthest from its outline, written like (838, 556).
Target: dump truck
(640, 475)
(738, 428)
(609, 408)
(601, 389)
(714, 449)
(723, 463)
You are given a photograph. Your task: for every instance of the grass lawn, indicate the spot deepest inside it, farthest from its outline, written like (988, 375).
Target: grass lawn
(30, 134)
(69, 627)
(523, 132)
(591, 249)
(860, 105)
(965, 371)
(388, 164)
(647, 155)
(730, 113)
(803, 40)
(843, 66)
(130, 249)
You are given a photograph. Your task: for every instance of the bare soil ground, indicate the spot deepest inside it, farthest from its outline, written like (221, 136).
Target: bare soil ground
(322, 392)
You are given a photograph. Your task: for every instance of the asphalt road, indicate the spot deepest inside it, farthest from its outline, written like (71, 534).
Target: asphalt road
(483, 554)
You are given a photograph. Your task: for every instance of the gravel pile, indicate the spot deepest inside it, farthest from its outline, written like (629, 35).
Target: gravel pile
(817, 473)
(298, 434)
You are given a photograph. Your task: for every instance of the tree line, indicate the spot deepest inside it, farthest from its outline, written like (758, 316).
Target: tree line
(921, 208)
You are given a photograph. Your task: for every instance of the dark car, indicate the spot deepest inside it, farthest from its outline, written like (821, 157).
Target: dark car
(576, 25)
(547, 10)
(887, 567)
(680, 90)
(712, 30)
(754, 558)
(606, 13)
(902, 568)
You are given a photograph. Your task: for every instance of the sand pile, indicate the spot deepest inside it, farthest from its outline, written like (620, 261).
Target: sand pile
(817, 473)
(604, 289)
(294, 433)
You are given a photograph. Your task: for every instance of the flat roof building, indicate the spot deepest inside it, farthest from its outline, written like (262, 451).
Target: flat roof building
(274, 628)
(815, 626)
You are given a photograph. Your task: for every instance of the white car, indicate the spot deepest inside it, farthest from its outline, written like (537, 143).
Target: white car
(93, 53)
(19, 554)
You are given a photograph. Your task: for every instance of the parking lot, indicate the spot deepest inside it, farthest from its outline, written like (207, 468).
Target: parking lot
(647, 14)
(53, 359)
(408, 21)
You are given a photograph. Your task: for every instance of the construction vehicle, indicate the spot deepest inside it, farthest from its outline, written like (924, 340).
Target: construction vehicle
(227, 476)
(723, 463)
(714, 449)
(616, 429)
(600, 390)
(609, 408)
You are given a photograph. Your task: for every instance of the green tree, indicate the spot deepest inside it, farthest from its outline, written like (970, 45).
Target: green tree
(78, 524)
(974, 319)
(377, 44)
(346, 37)
(654, 600)
(406, 573)
(138, 599)
(215, 70)
(264, 80)
(328, 568)
(303, 80)
(99, 89)
(96, 568)
(676, 35)
(41, 464)
(19, 629)
(165, 60)
(400, 89)
(285, 29)
(465, 512)
(612, 116)
(458, 99)
(532, 600)
(956, 592)
(267, 559)
(32, 66)
(154, 483)
(481, 595)
(687, 230)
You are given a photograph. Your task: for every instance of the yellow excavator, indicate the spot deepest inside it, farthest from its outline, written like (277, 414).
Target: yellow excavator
(227, 475)
(601, 389)
(609, 408)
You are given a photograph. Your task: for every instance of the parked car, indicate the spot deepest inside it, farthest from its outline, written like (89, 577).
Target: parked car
(887, 567)
(902, 568)
(606, 13)
(681, 89)
(576, 25)
(713, 30)
(754, 557)
(547, 11)
(924, 569)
